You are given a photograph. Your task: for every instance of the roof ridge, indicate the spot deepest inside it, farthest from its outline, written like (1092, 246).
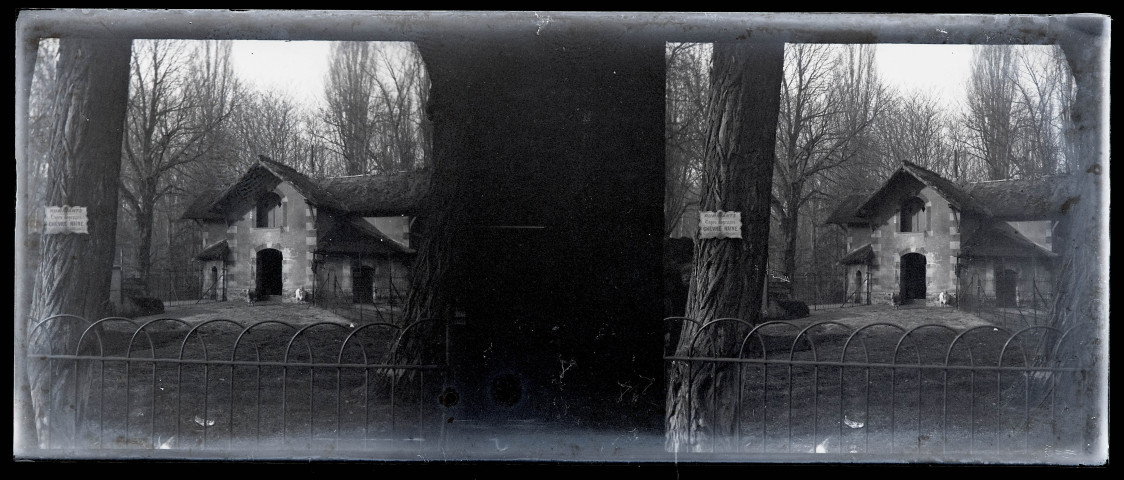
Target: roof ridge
(1026, 179)
(285, 171)
(375, 174)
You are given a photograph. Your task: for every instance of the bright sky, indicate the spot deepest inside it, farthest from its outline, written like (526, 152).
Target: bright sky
(940, 69)
(293, 67)
(298, 67)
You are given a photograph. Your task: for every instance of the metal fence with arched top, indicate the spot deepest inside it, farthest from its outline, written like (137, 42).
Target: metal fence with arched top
(225, 385)
(875, 389)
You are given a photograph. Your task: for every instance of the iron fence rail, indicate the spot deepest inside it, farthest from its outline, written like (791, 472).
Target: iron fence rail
(222, 385)
(827, 387)
(776, 387)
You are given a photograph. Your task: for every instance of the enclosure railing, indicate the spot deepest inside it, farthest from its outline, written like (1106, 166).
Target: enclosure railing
(176, 287)
(342, 302)
(879, 388)
(823, 291)
(1030, 309)
(224, 385)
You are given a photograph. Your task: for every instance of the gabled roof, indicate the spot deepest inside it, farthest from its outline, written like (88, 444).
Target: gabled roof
(1016, 199)
(262, 175)
(955, 195)
(996, 202)
(306, 186)
(365, 195)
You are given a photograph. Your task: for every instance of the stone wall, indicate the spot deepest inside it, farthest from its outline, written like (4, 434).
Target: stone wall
(939, 242)
(295, 237)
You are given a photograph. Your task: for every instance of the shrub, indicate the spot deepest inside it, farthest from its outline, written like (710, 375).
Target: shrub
(793, 308)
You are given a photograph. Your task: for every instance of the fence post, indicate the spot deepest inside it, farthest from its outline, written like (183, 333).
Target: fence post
(979, 295)
(868, 287)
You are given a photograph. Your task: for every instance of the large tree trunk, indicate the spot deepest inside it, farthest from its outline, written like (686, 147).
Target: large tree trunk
(1082, 282)
(75, 269)
(729, 273)
(443, 218)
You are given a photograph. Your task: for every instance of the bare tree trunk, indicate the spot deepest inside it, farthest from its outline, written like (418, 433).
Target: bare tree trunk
(75, 269)
(790, 231)
(729, 273)
(144, 220)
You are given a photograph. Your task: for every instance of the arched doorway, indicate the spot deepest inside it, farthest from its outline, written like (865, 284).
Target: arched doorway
(912, 284)
(269, 272)
(1006, 288)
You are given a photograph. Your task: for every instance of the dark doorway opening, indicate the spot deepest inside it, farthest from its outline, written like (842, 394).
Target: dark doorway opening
(858, 286)
(269, 272)
(212, 286)
(362, 284)
(913, 276)
(1006, 288)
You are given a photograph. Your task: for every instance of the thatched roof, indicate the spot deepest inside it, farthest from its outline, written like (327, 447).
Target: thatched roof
(200, 207)
(358, 236)
(1001, 239)
(217, 251)
(860, 256)
(378, 195)
(1025, 199)
(847, 211)
(373, 195)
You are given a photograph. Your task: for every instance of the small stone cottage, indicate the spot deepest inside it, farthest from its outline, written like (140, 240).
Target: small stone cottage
(276, 230)
(920, 235)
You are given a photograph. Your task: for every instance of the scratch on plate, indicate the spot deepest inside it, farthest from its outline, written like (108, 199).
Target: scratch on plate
(542, 22)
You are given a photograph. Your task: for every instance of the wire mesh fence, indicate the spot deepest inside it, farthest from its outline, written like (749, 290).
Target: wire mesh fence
(820, 291)
(382, 305)
(176, 287)
(1016, 311)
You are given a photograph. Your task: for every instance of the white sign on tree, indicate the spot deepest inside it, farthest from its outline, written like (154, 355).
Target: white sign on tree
(720, 224)
(66, 219)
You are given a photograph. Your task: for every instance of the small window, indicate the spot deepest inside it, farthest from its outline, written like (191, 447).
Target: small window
(912, 217)
(268, 213)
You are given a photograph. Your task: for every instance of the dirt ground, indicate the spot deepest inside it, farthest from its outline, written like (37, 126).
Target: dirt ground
(906, 317)
(795, 387)
(244, 313)
(855, 316)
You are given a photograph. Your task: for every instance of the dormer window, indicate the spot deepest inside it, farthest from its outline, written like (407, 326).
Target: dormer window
(912, 219)
(268, 213)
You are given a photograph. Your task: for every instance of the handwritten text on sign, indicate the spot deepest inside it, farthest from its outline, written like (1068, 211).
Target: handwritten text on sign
(66, 219)
(720, 224)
